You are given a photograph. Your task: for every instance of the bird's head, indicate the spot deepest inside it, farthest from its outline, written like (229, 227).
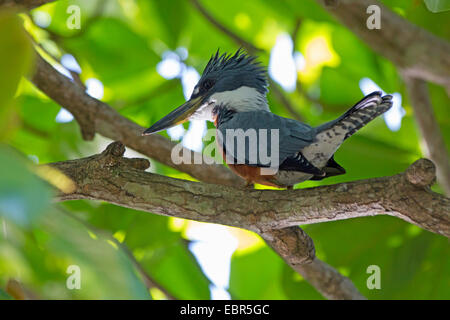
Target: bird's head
(235, 81)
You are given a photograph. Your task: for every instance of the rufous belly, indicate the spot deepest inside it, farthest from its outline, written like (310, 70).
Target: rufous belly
(253, 174)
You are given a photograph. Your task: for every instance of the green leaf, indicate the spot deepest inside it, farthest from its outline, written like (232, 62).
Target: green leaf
(23, 196)
(336, 88)
(15, 61)
(248, 281)
(4, 295)
(92, 252)
(40, 259)
(15, 57)
(38, 113)
(174, 16)
(115, 57)
(176, 269)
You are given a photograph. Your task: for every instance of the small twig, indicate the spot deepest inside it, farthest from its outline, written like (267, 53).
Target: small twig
(295, 30)
(163, 88)
(149, 281)
(239, 40)
(18, 291)
(281, 97)
(40, 133)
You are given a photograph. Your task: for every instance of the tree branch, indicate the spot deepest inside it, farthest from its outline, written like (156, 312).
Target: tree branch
(429, 128)
(122, 181)
(418, 52)
(23, 4)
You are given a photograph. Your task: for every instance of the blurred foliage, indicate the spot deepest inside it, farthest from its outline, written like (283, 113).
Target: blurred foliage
(437, 5)
(14, 63)
(120, 43)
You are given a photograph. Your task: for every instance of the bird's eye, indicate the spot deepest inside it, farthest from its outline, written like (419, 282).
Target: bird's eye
(208, 84)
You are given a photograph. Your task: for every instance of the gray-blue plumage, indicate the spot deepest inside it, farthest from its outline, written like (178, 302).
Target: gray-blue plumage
(293, 135)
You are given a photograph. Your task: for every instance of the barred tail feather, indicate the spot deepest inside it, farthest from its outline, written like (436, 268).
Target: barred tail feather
(370, 107)
(331, 134)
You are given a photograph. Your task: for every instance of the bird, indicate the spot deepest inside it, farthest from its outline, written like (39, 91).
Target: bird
(231, 93)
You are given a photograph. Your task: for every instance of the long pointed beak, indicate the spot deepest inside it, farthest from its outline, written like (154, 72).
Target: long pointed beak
(177, 116)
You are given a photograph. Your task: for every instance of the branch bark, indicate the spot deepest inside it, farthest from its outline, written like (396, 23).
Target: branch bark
(122, 181)
(429, 128)
(418, 52)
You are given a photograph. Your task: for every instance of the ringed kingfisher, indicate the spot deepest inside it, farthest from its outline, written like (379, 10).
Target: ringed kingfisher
(232, 93)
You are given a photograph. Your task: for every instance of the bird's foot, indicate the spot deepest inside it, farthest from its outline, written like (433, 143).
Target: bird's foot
(249, 185)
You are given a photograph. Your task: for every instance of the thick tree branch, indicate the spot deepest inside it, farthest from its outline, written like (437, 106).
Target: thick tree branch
(429, 128)
(418, 52)
(122, 181)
